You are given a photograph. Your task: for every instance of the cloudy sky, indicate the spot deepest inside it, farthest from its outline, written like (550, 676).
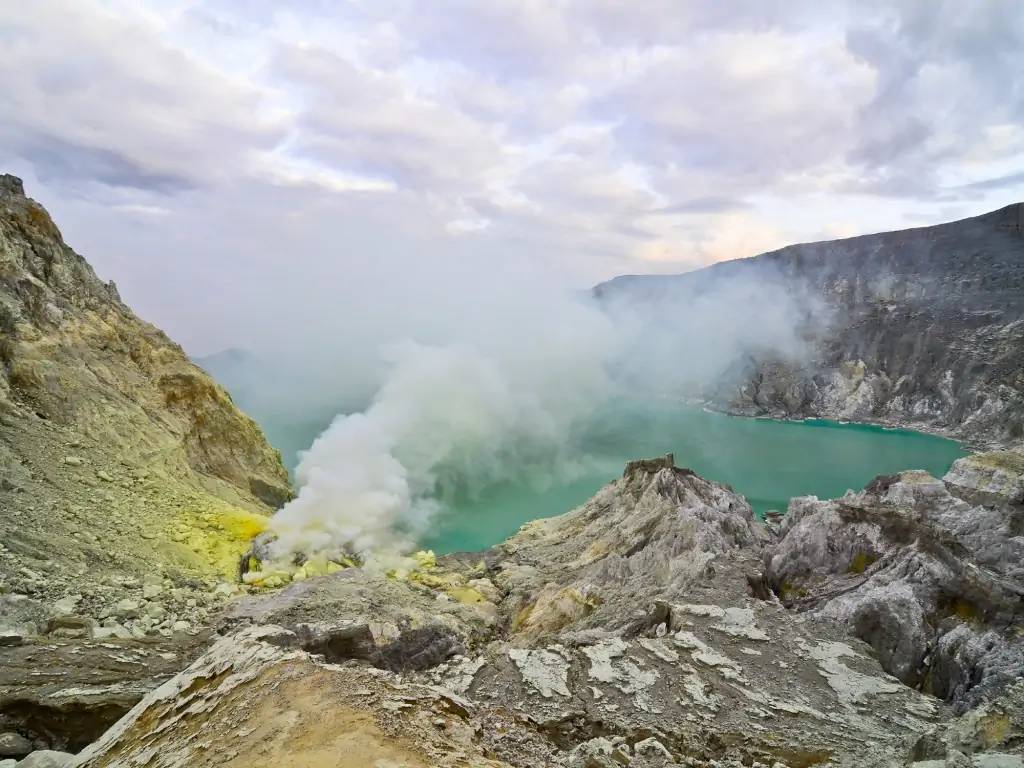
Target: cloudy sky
(227, 161)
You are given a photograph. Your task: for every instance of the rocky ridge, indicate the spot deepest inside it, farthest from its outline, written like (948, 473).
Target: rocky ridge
(922, 327)
(929, 572)
(129, 486)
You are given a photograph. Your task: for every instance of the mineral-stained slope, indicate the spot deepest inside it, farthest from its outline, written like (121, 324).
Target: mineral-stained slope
(922, 327)
(129, 482)
(637, 630)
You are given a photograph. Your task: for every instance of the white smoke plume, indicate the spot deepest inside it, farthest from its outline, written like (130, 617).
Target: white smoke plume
(502, 403)
(691, 334)
(496, 382)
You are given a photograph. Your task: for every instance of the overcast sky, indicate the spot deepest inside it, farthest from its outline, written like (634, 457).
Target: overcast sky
(228, 162)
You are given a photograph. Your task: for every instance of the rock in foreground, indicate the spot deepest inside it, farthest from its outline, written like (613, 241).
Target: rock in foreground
(635, 630)
(930, 573)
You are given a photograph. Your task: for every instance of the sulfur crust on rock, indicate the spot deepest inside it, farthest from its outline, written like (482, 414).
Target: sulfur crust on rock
(219, 533)
(647, 657)
(454, 584)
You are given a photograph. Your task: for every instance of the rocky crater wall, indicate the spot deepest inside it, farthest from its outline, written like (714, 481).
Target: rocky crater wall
(923, 327)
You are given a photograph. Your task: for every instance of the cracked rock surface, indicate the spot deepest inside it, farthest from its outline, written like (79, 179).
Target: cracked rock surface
(929, 572)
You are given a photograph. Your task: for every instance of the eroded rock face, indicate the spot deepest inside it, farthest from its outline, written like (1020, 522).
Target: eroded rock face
(251, 695)
(78, 358)
(64, 693)
(927, 572)
(400, 625)
(129, 485)
(622, 633)
(922, 327)
(994, 476)
(118, 456)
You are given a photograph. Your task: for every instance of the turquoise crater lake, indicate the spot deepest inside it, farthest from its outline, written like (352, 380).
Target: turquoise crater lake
(767, 461)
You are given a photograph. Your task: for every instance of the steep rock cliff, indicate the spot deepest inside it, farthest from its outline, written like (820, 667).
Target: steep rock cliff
(120, 460)
(923, 327)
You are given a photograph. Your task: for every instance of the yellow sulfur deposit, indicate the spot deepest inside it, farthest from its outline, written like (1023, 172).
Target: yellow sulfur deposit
(321, 566)
(466, 595)
(317, 565)
(453, 584)
(425, 559)
(216, 532)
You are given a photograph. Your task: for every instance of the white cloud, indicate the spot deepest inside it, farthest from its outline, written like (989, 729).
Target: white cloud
(141, 210)
(215, 139)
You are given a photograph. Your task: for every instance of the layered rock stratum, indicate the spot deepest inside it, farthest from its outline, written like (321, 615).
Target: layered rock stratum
(922, 327)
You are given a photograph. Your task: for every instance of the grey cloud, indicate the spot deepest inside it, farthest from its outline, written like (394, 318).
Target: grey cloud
(669, 22)
(575, 139)
(90, 98)
(695, 111)
(365, 121)
(509, 39)
(703, 205)
(891, 141)
(999, 182)
(943, 79)
(75, 166)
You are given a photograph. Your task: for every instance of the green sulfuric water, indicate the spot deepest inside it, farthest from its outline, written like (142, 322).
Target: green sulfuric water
(767, 461)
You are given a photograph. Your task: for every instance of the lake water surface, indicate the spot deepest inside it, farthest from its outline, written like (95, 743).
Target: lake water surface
(767, 461)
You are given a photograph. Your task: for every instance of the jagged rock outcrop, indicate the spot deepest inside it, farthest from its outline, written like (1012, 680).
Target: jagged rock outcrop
(661, 532)
(930, 573)
(394, 624)
(624, 633)
(64, 693)
(992, 476)
(923, 327)
(129, 482)
(251, 698)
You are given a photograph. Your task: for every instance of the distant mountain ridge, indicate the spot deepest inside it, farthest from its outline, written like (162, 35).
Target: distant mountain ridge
(927, 328)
